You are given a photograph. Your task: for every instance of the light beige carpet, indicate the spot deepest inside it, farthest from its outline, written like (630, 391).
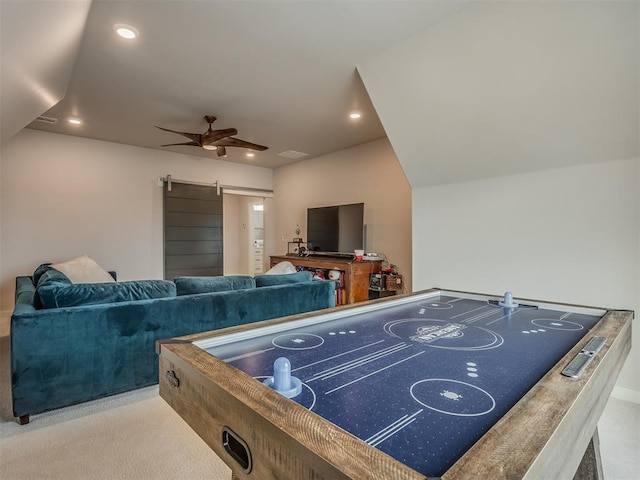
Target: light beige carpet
(133, 436)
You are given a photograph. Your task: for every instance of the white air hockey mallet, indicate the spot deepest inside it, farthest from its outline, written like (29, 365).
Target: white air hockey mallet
(508, 302)
(282, 381)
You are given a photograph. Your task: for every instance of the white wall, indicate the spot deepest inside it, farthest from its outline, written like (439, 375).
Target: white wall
(568, 235)
(368, 173)
(63, 196)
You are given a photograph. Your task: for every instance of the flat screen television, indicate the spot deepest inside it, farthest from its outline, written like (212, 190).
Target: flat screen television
(337, 229)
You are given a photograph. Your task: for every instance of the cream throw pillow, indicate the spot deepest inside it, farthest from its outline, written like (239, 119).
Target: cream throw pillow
(84, 269)
(281, 268)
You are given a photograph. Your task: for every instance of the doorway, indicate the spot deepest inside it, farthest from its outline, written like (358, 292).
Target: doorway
(243, 235)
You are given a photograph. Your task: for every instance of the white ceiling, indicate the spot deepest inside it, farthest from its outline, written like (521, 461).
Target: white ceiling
(283, 73)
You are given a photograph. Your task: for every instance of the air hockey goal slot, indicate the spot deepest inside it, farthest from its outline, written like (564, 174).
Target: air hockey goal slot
(237, 448)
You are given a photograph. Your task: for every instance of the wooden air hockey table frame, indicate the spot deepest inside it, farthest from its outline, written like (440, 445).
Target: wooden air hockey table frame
(550, 433)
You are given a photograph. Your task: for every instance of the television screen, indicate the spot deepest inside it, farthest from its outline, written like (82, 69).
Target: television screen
(336, 229)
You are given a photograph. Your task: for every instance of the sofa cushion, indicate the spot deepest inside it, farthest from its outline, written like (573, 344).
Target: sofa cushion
(193, 285)
(51, 276)
(59, 294)
(83, 269)
(270, 280)
(47, 279)
(39, 271)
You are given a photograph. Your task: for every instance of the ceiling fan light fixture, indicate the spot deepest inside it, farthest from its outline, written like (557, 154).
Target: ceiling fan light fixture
(125, 31)
(214, 139)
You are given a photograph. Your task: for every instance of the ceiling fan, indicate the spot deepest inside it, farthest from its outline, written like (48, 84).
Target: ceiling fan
(214, 139)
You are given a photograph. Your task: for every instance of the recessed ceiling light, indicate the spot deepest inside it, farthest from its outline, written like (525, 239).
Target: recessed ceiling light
(355, 115)
(75, 121)
(251, 154)
(125, 31)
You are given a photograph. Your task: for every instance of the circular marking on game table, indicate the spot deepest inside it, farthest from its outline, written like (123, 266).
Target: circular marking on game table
(436, 305)
(444, 334)
(556, 324)
(452, 397)
(307, 398)
(297, 341)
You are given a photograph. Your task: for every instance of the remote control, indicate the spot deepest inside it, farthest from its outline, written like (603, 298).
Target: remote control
(576, 367)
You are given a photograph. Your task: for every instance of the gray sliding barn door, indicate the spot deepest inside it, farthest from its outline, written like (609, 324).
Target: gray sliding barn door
(192, 230)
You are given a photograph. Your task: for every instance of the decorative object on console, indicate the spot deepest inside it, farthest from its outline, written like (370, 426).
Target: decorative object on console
(387, 282)
(393, 282)
(376, 281)
(297, 247)
(335, 274)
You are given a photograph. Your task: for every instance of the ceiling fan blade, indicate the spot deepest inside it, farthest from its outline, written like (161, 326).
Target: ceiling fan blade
(215, 135)
(236, 142)
(221, 151)
(193, 144)
(196, 137)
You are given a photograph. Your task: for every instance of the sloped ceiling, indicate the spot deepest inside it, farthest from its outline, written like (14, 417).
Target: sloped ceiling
(40, 42)
(511, 87)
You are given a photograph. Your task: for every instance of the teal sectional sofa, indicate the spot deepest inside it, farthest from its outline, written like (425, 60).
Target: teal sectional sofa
(66, 351)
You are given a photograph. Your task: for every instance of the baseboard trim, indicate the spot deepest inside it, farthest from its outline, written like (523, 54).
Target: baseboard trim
(626, 394)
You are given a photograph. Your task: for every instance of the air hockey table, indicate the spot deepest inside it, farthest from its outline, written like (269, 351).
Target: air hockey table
(435, 384)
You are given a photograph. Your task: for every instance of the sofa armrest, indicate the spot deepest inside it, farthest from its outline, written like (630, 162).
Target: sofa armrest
(24, 297)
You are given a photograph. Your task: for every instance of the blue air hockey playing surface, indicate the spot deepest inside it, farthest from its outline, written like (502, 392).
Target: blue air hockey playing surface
(420, 378)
